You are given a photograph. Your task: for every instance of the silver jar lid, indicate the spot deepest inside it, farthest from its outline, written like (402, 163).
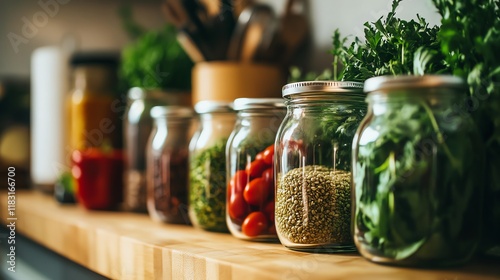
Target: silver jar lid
(322, 86)
(258, 103)
(412, 82)
(210, 106)
(171, 111)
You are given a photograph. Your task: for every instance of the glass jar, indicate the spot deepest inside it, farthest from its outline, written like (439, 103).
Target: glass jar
(313, 165)
(417, 173)
(250, 168)
(97, 161)
(137, 129)
(167, 164)
(207, 170)
(94, 120)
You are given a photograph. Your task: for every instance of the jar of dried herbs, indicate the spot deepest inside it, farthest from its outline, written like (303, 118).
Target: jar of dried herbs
(313, 165)
(417, 173)
(207, 165)
(167, 166)
(250, 168)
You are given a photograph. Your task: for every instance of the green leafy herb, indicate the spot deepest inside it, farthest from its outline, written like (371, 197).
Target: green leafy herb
(154, 60)
(470, 41)
(207, 188)
(416, 184)
(392, 46)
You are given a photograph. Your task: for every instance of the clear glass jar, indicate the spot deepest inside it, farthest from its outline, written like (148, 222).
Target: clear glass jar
(94, 122)
(168, 164)
(250, 168)
(207, 165)
(137, 129)
(417, 173)
(313, 165)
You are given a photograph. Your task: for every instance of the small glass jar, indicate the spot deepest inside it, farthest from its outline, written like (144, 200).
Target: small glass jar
(168, 164)
(417, 173)
(207, 165)
(137, 129)
(313, 165)
(250, 168)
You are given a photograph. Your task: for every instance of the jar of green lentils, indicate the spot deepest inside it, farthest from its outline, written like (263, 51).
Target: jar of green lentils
(207, 165)
(313, 165)
(250, 168)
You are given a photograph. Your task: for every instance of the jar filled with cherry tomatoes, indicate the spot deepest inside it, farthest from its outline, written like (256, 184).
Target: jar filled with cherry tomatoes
(250, 168)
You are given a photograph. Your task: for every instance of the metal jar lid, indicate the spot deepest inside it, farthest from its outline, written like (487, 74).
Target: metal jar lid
(209, 106)
(258, 103)
(322, 86)
(383, 83)
(171, 112)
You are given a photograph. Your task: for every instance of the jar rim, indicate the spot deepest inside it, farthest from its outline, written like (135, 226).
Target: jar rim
(257, 103)
(171, 111)
(212, 106)
(401, 82)
(323, 86)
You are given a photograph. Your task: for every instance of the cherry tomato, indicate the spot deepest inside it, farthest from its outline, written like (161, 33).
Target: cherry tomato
(259, 156)
(254, 224)
(268, 155)
(254, 169)
(237, 206)
(269, 210)
(256, 192)
(268, 176)
(238, 182)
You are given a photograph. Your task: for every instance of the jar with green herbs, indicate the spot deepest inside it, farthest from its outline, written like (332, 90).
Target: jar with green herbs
(313, 165)
(250, 168)
(417, 173)
(167, 153)
(207, 165)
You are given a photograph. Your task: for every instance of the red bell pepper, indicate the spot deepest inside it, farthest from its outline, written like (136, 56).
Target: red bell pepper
(99, 178)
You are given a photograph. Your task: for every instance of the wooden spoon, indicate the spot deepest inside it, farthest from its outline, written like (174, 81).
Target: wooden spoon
(294, 28)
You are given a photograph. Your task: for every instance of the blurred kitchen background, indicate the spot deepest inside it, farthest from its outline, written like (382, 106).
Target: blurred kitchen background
(99, 25)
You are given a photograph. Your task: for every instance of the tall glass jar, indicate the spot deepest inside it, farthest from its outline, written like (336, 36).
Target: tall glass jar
(97, 161)
(250, 168)
(207, 170)
(417, 173)
(313, 165)
(138, 124)
(167, 164)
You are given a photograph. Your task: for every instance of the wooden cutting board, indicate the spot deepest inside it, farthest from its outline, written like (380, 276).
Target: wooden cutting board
(123, 245)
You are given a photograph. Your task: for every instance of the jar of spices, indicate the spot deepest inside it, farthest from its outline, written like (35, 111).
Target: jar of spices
(313, 165)
(207, 160)
(167, 164)
(137, 129)
(417, 173)
(250, 168)
(94, 118)
(97, 161)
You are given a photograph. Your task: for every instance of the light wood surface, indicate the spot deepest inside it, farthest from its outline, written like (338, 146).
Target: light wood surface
(123, 245)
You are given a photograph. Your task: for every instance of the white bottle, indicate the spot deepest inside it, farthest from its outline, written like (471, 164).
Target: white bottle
(49, 85)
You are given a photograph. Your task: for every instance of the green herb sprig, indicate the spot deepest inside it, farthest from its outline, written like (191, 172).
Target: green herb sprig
(391, 46)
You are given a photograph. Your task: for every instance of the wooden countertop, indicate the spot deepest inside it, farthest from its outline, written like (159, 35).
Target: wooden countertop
(123, 245)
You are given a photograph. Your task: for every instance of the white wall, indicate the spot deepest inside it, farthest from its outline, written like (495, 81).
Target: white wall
(98, 26)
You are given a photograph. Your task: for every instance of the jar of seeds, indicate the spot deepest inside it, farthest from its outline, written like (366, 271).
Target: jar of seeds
(207, 165)
(250, 168)
(313, 165)
(167, 154)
